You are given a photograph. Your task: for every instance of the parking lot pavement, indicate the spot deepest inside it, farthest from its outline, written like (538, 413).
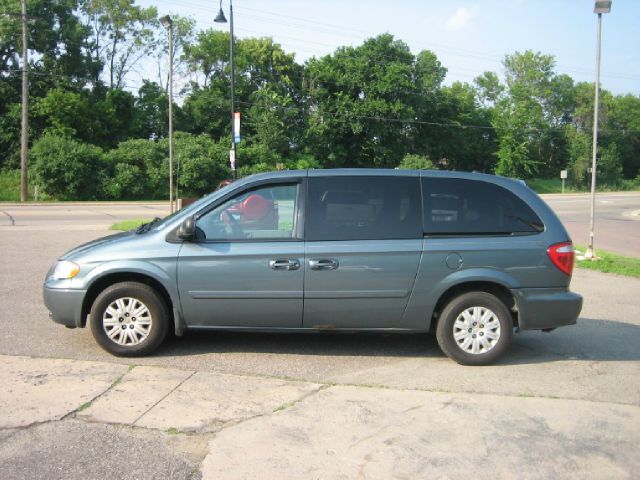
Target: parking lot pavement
(77, 419)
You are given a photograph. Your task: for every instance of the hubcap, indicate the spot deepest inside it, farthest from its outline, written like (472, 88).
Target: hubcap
(476, 330)
(127, 321)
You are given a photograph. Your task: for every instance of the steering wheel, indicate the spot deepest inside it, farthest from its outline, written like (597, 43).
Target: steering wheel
(234, 227)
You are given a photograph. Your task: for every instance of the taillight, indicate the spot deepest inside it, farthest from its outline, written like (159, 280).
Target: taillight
(562, 255)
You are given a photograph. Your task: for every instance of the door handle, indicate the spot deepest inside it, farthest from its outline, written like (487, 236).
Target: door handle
(323, 264)
(284, 264)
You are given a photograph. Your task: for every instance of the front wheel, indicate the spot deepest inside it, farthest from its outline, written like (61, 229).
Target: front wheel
(129, 319)
(474, 328)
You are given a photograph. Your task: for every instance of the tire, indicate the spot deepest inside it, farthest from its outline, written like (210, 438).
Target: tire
(116, 328)
(474, 328)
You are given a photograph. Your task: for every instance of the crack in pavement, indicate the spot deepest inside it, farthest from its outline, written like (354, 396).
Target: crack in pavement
(90, 402)
(13, 222)
(165, 396)
(287, 406)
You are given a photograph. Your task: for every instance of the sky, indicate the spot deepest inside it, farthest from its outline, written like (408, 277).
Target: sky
(469, 37)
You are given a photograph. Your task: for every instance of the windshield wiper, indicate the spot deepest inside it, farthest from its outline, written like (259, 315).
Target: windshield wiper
(145, 227)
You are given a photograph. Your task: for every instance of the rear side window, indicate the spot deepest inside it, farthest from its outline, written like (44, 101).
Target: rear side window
(454, 206)
(363, 208)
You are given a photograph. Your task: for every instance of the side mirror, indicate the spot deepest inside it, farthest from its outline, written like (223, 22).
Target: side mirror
(187, 229)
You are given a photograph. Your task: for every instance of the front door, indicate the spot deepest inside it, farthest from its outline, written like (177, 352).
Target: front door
(245, 267)
(364, 241)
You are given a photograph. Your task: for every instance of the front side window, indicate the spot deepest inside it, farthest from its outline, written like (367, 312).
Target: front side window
(263, 213)
(454, 206)
(363, 208)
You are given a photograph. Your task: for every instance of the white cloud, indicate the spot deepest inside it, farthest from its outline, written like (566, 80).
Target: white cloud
(458, 20)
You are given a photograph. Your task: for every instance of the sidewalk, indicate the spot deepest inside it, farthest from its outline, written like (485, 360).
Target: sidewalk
(80, 419)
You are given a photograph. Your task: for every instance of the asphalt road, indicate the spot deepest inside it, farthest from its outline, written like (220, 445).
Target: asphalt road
(617, 220)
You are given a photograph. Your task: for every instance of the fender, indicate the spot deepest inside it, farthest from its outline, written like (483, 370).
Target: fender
(425, 294)
(142, 267)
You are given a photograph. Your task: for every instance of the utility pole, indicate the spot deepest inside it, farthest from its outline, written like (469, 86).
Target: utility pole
(24, 132)
(168, 24)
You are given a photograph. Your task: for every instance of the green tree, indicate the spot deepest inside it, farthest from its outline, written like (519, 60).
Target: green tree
(275, 121)
(64, 113)
(609, 164)
(530, 118)
(466, 140)
(624, 128)
(152, 111)
(123, 34)
(359, 101)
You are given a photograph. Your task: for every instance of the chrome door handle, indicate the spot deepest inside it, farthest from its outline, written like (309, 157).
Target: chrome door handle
(323, 264)
(284, 264)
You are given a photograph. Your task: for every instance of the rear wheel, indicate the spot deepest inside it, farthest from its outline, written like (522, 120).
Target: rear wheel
(474, 328)
(129, 319)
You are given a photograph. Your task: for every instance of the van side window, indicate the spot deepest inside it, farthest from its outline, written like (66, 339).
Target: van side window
(454, 206)
(363, 208)
(264, 213)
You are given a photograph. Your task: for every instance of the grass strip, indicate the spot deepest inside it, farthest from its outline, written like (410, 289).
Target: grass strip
(609, 262)
(129, 224)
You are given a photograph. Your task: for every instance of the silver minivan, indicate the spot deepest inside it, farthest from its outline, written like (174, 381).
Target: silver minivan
(471, 257)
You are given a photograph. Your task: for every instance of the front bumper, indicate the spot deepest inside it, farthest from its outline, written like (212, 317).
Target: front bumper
(542, 308)
(65, 305)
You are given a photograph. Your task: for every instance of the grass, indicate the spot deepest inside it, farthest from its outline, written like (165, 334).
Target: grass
(10, 186)
(129, 224)
(84, 406)
(548, 185)
(554, 185)
(609, 262)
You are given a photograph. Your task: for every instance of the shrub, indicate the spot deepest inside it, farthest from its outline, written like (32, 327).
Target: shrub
(202, 163)
(416, 162)
(67, 169)
(139, 161)
(126, 183)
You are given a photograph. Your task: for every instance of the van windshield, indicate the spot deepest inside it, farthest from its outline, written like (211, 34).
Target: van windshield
(158, 225)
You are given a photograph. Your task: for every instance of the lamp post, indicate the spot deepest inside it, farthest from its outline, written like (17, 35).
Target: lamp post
(600, 7)
(220, 18)
(168, 24)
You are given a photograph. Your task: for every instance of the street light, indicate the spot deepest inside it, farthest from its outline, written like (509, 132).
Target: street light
(600, 7)
(168, 24)
(220, 18)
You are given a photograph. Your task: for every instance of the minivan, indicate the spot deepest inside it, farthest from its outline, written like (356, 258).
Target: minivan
(470, 257)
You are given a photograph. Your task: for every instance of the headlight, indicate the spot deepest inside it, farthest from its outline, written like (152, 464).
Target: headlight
(65, 269)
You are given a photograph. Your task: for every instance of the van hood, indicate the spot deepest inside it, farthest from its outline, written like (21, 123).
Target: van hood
(109, 239)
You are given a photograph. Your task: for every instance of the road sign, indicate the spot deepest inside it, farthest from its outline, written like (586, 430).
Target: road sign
(236, 127)
(563, 174)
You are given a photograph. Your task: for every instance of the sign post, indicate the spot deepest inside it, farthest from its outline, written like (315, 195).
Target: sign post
(563, 176)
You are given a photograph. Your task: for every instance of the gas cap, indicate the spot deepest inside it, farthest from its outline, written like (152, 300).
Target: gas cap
(454, 261)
